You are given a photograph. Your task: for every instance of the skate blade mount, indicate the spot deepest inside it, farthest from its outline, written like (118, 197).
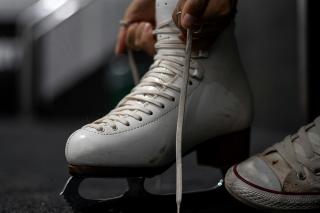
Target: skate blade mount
(137, 199)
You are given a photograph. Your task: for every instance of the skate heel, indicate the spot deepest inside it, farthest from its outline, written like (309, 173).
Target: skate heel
(224, 151)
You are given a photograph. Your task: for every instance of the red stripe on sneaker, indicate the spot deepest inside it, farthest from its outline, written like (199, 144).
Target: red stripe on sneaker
(269, 190)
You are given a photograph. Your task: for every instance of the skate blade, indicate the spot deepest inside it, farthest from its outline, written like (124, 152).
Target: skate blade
(137, 199)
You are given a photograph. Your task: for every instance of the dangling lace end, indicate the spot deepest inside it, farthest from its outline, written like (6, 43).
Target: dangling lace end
(179, 184)
(180, 121)
(178, 207)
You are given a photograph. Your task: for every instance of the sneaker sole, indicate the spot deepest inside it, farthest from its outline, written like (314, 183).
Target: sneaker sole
(264, 199)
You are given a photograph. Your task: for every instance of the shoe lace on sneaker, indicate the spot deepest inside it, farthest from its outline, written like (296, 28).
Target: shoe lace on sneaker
(309, 157)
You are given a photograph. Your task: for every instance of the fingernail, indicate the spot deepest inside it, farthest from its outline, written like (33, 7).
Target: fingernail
(116, 49)
(147, 26)
(187, 20)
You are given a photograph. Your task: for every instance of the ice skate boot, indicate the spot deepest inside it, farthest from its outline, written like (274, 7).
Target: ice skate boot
(285, 177)
(137, 139)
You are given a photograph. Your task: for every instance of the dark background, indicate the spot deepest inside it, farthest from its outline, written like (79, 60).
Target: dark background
(58, 72)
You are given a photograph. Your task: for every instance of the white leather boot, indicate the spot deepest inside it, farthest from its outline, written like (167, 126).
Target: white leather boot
(284, 177)
(137, 138)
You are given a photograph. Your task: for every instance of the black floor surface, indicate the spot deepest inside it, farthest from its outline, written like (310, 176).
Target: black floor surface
(33, 170)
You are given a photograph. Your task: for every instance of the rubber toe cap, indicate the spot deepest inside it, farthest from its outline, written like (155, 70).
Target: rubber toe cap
(257, 172)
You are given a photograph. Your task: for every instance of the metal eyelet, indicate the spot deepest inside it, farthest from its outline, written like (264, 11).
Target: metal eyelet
(150, 113)
(115, 128)
(140, 119)
(100, 129)
(301, 176)
(173, 99)
(127, 124)
(163, 106)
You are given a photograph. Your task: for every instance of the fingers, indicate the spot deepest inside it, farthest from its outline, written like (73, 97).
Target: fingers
(207, 18)
(121, 41)
(138, 10)
(147, 40)
(139, 36)
(146, 33)
(130, 37)
(176, 16)
(191, 12)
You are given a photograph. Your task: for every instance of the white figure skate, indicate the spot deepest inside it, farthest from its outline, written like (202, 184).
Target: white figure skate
(137, 139)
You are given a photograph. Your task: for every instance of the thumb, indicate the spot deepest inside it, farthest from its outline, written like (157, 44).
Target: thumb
(192, 11)
(121, 43)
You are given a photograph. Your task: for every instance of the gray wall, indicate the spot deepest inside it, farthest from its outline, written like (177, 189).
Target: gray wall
(78, 44)
(267, 36)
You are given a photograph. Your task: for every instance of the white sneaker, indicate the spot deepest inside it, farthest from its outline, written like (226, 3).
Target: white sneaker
(284, 177)
(138, 136)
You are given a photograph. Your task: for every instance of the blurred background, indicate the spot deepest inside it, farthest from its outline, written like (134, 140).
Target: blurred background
(58, 72)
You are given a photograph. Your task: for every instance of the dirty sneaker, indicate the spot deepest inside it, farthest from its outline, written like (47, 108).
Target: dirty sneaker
(286, 176)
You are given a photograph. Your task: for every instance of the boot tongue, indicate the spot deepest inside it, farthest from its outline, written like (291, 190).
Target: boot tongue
(164, 10)
(279, 166)
(314, 133)
(314, 136)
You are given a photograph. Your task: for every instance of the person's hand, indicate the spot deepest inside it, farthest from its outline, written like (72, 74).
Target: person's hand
(138, 11)
(140, 37)
(207, 18)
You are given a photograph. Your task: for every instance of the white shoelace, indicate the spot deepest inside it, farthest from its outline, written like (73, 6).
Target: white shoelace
(168, 65)
(181, 112)
(133, 68)
(297, 161)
